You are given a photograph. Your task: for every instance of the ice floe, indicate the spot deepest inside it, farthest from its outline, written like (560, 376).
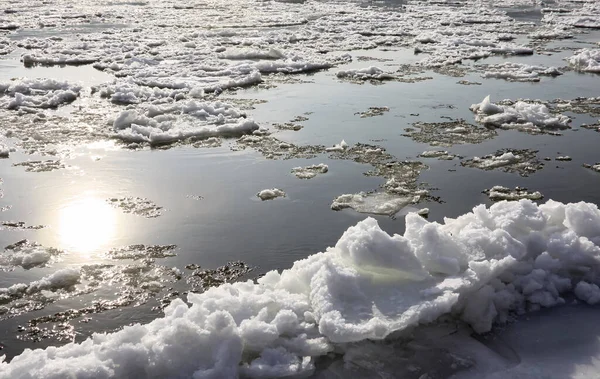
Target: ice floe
(519, 72)
(37, 93)
(270, 194)
(519, 113)
(171, 123)
(510, 258)
(523, 162)
(498, 193)
(311, 171)
(26, 254)
(586, 60)
(380, 203)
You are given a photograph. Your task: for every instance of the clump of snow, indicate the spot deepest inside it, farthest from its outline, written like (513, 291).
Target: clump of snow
(369, 73)
(586, 60)
(482, 267)
(519, 113)
(270, 194)
(519, 72)
(172, 123)
(311, 171)
(498, 193)
(380, 203)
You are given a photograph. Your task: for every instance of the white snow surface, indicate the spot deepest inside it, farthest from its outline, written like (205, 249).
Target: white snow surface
(481, 266)
(520, 113)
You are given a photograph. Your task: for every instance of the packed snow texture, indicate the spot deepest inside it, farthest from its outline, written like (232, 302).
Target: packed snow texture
(171, 123)
(482, 267)
(270, 194)
(520, 113)
(586, 60)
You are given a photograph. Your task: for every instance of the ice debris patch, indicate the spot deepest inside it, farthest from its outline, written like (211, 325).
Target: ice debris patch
(482, 267)
(191, 120)
(586, 60)
(270, 194)
(518, 113)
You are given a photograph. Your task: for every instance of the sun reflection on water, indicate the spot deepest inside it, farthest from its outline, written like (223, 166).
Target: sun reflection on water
(86, 224)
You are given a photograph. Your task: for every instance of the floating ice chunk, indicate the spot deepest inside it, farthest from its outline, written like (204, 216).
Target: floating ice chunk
(586, 60)
(37, 93)
(375, 203)
(310, 172)
(519, 113)
(339, 147)
(241, 54)
(369, 73)
(27, 255)
(270, 194)
(519, 72)
(169, 124)
(498, 193)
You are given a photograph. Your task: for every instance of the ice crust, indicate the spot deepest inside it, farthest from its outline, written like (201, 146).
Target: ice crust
(482, 267)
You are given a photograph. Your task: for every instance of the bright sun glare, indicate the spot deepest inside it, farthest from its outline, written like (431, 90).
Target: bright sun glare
(86, 224)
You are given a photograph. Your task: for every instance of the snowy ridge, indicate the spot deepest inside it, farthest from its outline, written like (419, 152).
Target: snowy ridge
(481, 267)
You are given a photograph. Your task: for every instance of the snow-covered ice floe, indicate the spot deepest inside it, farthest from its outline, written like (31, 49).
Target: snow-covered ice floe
(270, 194)
(37, 93)
(519, 72)
(518, 114)
(380, 203)
(368, 73)
(311, 171)
(480, 267)
(171, 123)
(586, 60)
(498, 193)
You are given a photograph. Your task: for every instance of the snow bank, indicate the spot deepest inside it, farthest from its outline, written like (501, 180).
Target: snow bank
(587, 60)
(172, 123)
(520, 113)
(482, 266)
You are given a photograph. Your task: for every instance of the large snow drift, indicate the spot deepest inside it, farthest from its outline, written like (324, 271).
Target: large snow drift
(512, 257)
